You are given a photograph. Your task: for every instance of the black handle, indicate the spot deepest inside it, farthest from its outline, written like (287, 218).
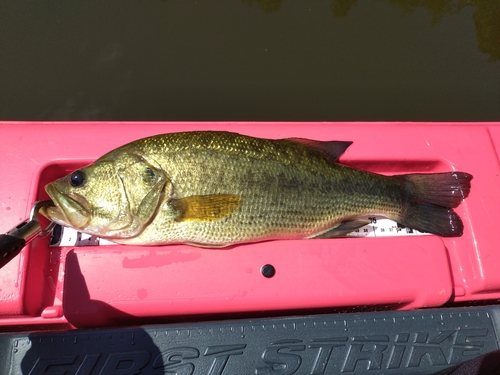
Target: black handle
(10, 247)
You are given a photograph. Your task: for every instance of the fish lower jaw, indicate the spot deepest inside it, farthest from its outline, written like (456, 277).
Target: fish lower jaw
(56, 215)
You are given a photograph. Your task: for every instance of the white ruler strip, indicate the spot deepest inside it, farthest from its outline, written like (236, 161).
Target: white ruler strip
(382, 227)
(71, 237)
(379, 227)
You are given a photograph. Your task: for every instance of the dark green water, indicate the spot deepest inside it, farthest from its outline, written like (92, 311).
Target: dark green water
(330, 60)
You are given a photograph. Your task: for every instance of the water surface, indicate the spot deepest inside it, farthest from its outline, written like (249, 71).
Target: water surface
(332, 60)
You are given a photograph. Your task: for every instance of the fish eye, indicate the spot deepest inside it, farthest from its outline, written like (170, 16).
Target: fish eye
(77, 178)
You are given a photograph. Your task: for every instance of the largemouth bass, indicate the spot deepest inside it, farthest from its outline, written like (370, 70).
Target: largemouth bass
(215, 189)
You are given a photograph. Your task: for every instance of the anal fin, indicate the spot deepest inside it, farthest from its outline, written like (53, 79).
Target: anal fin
(207, 246)
(341, 230)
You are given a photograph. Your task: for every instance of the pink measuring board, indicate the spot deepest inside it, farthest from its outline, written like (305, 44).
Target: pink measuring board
(105, 285)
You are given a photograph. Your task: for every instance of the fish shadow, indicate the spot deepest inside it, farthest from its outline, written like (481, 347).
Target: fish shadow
(79, 309)
(105, 350)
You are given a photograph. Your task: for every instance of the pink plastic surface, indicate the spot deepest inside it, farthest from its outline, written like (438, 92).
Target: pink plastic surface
(104, 285)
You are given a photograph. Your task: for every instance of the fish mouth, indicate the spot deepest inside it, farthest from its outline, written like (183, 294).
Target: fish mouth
(67, 210)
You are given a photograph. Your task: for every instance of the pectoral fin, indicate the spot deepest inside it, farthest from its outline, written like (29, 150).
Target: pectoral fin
(205, 207)
(341, 230)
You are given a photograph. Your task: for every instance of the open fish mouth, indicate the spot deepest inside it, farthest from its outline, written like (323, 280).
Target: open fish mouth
(67, 210)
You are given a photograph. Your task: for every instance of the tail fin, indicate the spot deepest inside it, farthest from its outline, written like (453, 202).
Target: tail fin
(431, 199)
(428, 218)
(442, 189)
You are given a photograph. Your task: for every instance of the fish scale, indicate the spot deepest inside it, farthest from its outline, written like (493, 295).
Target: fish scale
(315, 214)
(216, 189)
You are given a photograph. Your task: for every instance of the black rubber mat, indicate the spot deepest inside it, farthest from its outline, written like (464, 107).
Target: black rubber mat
(410, 342)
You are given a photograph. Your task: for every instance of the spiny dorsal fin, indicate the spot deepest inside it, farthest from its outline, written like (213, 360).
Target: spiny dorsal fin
(332, 149)
(205, 207)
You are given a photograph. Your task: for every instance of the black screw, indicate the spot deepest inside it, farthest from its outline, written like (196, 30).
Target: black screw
(268, 271)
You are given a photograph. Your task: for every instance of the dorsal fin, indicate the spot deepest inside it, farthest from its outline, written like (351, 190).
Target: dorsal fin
(332, 149)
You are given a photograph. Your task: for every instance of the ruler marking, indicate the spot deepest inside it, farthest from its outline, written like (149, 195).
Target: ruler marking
(378, 227)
